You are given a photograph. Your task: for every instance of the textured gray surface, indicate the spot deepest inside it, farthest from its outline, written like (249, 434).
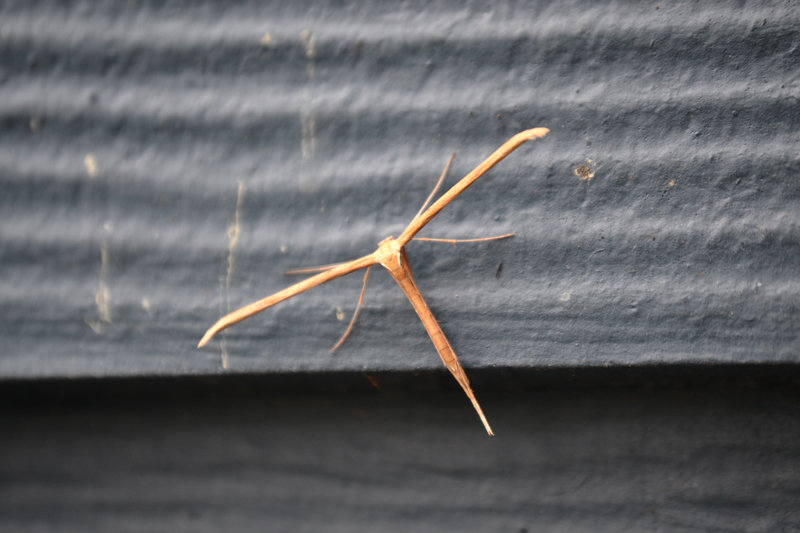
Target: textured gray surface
(718, 458)
(127, 129)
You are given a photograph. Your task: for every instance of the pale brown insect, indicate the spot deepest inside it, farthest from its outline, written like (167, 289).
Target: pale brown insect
(391, 254)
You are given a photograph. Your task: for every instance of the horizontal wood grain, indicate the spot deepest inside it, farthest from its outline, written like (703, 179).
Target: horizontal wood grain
(163, 164)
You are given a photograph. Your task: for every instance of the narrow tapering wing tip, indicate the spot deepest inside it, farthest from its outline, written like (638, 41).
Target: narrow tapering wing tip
(206, 337)
(535, 133)
(222, 323)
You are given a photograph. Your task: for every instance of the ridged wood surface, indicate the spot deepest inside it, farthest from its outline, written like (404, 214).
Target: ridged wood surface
(162, 163)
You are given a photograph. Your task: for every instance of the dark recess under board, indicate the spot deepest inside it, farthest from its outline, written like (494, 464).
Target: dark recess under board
(706, 449)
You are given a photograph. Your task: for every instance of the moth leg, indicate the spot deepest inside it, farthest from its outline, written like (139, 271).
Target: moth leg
(311, 270)
(436, 188)
(355, 314)
(454, 241)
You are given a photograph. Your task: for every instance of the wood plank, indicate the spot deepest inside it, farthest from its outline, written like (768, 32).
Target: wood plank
(127, 129)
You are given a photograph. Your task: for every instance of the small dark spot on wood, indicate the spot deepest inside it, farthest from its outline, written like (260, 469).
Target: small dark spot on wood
(499, 267)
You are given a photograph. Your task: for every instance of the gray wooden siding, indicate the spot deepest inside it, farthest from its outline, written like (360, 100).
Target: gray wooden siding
(128, 129)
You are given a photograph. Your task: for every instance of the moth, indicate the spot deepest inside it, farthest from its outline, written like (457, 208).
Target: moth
(391, 254)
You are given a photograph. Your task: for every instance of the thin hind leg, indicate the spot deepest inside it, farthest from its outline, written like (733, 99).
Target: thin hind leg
(355, 314)
(454, 241)
(436, 188)
(323, 268)
(311, 270)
